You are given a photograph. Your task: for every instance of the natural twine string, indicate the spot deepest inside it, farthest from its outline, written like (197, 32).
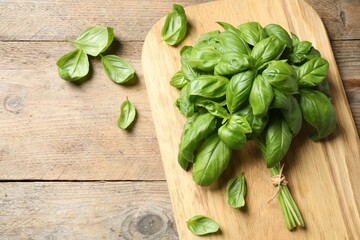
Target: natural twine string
(277, 181)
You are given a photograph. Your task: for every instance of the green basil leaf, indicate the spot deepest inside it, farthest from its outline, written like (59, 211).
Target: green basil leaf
(196, 132)
(318, 111)
(282, 76)
(279, 32)
(238, 89)
(280, 100)
(323, 87)
(313, 53)
(213, 108)
(232, 63)
(208, 86)
(204, 58)
(292, 115)
(232, 133)
(117, 69)
(208, 39)
(210, 161)
(94, 40)
(299, 51)
(295, 40)
(261, 96)
(184, 103)
(73, 66)
(231, 41)
(175, 26)
(312, 72)
(127, 114)
(257, 123)
(201, 225)
(252, 32)
(236, 191)
(187, 70)
(278, 138)
(266, 50)
(178, 80)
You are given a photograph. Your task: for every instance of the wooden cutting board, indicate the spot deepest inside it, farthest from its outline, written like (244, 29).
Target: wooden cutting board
(323, 176)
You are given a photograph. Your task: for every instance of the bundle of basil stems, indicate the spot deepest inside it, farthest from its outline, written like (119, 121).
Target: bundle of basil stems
(250, 82)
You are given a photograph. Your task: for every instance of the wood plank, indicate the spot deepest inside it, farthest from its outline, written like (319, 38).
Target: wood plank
(92, 210)
(322, 175)
(59, 19)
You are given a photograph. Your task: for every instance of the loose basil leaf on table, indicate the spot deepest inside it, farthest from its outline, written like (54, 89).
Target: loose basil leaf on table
(205, 58)
(252, 32)
(210, 86)
(117, 69)
(236, 191)
(73, 66)
(232, 133)
(318, 111)
(175, 26)
(196, 132)
(230, 41)
(266, 50)
(280, 33)
(178, 80)
(312, 72)
(127, 114)
(211, 160)
(261, 96)
(292, 115)
(201, 225)
(214, 108)
(94, 40)
(232, 63)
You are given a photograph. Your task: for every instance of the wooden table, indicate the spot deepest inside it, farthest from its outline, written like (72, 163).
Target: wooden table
(66, 170)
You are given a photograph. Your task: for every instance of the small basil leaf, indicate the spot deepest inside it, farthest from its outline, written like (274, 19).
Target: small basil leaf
(252, 32)
(323, 87)
(282, 76)
(187, 70)
(210, 161)
(257, 124)
(178, 80)
(208, 86)
(175, 26)
(94, 40)
(261, 96)
(204, 58)
(231, 41)
(232, 63)
(266, 50)
(318, 111)
(294, 40)
(299, 51)
(208, 39)
(201, 225)
(238, 89)
(184, 103)
(236, 191)
(213, 108)
(312, 72)
(117, 69)
(232, 133)
(127, 114)
(313, 53)
(280, 100)
(279, 32)
(292, 115)
(73, 66)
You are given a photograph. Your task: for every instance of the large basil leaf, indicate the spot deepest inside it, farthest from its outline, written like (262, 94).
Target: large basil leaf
(127, 114)
(208, 39)
(236, 191)
(238, 89)
(201, 225)
(211, 160)
(94, 40)
(278, 138)
(232, 63)
(261, 96)
(181, 160)
(216, 109)
(292, 115)
(230, 41)
(266, 50)
(280, 33)
(318, 111)
(232, 133)
(252, 32)
(196, 132)
(299, 52)
(175, 26)
(184, 103)
(282, 76)
(208, 86)
(280, 100)
(178, 80)
(73, 66)
(117, 69)
(187, 70)
(312, 72)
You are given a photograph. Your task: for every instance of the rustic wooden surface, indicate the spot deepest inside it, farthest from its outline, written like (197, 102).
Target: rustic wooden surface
(59, 141)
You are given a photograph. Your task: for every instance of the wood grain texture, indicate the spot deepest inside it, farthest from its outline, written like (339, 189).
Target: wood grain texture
(322, 175)
(97, 210)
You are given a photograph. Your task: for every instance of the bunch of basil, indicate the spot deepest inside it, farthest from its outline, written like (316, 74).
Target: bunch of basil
(250, 82)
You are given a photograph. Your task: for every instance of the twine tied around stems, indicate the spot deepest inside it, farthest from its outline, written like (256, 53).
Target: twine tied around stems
(277, 181)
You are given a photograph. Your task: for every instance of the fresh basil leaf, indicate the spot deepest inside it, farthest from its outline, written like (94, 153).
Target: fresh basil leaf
(232, 63)
(184, 103)
(313, 53)
(210, 161)
(201, 225)
(261, 96)
(299, 52)
(280, 100)
(294, 40)
(127, 114)
(292, 115)
(204, 58)
(323, 87)
(231, 41)
(208, 86)
(279, 32)
(252, 32)
(208, 39)
(213, 108)
(266, 50)
(175, 26)
(178, 80)
(312, 72)
(187, 70)
(117, 69)
(318, 111)
(238, 89)
(232, 133)
(94, 40)
(257, 123)
(73, 66)
(236, 191)
(281, 76)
